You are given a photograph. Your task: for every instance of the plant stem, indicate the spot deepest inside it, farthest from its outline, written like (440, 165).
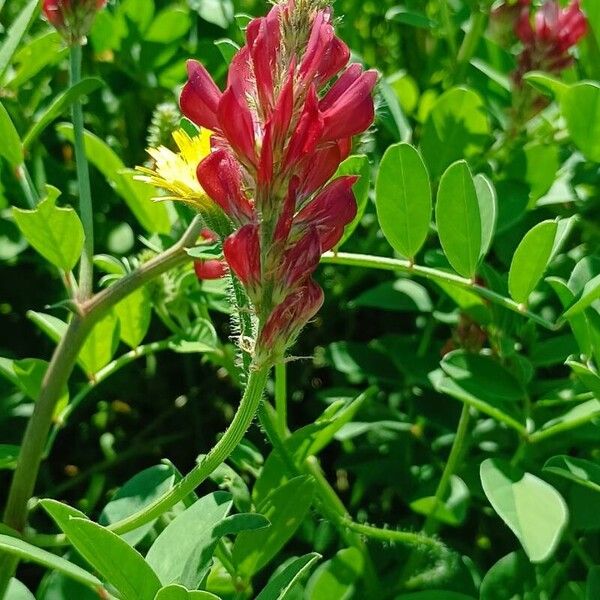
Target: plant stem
(448, 28)
(431, 524)
(86, 266)
(456, 452)
(396, 264)
(477, 25)
(281, 398)
(332, 508)
(544, 434)
(220, 452)
(59, 370)
(29, 191)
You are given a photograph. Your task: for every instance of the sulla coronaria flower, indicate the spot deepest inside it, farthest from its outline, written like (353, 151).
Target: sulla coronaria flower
(548, 35)
(72, 18)
(278, 134)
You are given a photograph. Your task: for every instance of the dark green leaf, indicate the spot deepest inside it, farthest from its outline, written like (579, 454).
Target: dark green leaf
(457, 127)
(285, 507)
(580, 105)
(280, 586)
(60, 105)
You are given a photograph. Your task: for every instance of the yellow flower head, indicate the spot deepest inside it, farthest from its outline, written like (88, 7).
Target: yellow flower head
(175, 172)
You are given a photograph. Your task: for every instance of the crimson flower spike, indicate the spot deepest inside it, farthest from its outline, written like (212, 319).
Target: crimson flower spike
(279, 132)
(72, 18)
(548, 36)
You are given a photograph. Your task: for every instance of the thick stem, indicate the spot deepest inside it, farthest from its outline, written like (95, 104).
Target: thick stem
(57, 375)
(225, 446)
(86, 265)
(395, 264)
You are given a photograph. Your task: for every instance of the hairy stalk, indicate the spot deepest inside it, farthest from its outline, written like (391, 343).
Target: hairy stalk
(86, 265)
(57, 375)
(281, 398)
(332, 508)
(405, 266)
(432, 524)
(220, 452)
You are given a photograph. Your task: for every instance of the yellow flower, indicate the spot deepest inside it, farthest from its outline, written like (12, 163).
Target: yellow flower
(175, 172)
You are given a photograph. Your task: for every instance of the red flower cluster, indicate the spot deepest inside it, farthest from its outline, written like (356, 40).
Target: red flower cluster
(279, 134)
(549, 36)
(72, 18)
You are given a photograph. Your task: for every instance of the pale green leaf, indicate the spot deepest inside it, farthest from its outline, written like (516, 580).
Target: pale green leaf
(535, 512)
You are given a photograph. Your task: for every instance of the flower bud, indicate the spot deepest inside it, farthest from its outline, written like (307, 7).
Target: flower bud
(72, 18)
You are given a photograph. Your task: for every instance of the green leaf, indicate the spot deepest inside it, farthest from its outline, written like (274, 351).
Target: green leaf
(113, 558)
(535, 512)
(488, 211)
(336, 577)
(135, 314)
(580, 105)
(402, 295)
(530, 260)
(9, 454)
(178, 592)
(507, 579)
(30, 373)
(457, 127)
(34, 56)
(391, 114)
(52, 326)
(592, 588)
(201, 338)
(434, 595)
(458, 219)
(579, 470)
(542, 82)
(18, 591)
(482, 383)
(100, 345)
(56, 233)
(60, 105)
(307, 441)
(182, 552)
(10, 148)
(589, 378)
(452, 510)
(217, 12)
(409, 17)
(403, 197)
(589, 295)
(356, 165)
(228, 49)
(15, 34)
(137, 493)
(168, 26)
(285, 507)
(27, 552)
(153, 216)
(281, 585)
